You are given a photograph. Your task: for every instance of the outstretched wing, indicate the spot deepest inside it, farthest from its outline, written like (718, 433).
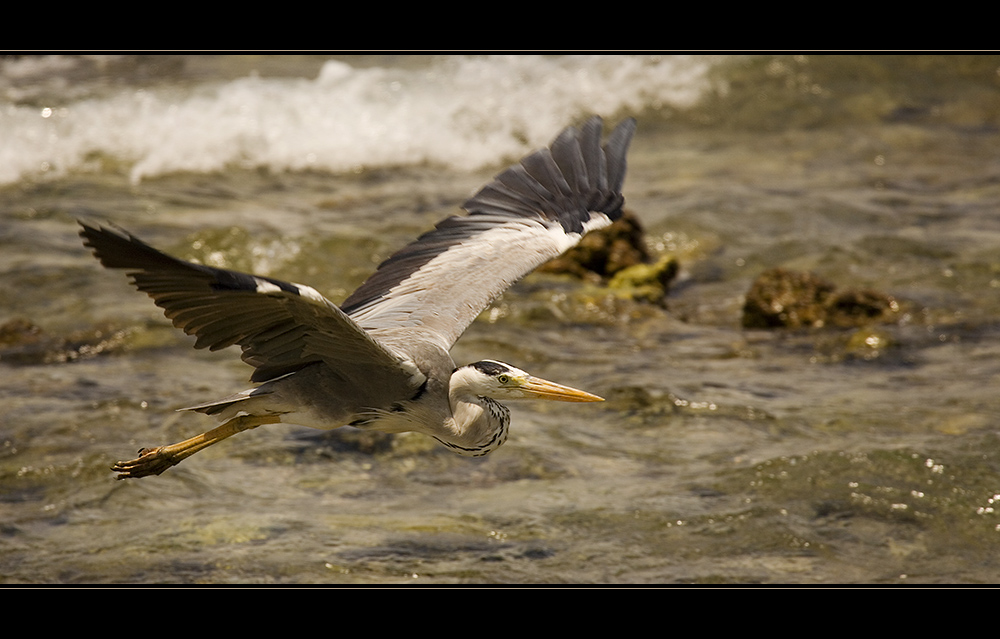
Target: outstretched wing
(282, 327)
(530, 213)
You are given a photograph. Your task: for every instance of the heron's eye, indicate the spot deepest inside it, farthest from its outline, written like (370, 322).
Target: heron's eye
(503, 379)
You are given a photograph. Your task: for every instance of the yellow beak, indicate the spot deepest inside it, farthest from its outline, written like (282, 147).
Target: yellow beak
(544, 389)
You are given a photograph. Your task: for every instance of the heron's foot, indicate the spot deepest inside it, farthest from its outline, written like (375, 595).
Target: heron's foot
(151, 461)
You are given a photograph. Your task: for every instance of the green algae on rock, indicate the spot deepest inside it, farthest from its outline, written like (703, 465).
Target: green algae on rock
(601, 254)
(617, 258)
(646, 282)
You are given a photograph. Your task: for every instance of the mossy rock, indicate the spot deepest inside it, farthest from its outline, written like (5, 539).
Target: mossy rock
(602, 253)
(645, 282)
(780, 298)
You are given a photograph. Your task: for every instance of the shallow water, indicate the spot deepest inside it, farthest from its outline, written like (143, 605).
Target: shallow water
(723, 455)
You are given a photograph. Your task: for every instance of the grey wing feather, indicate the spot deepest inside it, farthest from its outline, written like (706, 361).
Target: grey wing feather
(528, 214)
(281, 327)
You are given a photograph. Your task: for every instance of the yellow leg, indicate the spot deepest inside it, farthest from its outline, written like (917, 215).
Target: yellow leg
(153, 461)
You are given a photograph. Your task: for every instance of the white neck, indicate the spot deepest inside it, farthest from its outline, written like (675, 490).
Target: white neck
(478, 425)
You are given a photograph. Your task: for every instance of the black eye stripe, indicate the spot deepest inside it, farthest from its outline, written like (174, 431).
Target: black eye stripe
(490, 368)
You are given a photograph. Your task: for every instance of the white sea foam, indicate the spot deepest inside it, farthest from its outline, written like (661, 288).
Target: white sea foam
(462, 111)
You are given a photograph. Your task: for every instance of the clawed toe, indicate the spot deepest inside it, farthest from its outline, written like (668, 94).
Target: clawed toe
(151, 461)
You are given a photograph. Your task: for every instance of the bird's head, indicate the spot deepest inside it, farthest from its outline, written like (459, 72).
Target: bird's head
(498, 380)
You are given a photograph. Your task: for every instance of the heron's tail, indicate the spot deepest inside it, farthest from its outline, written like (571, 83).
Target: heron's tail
(219, 405)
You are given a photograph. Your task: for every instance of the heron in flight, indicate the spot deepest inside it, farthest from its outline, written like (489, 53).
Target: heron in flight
(380, 360)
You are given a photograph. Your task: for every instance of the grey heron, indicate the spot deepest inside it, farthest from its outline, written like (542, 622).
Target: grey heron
(381, 359)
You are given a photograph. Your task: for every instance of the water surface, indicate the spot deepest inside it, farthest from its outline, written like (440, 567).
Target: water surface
(723, 455)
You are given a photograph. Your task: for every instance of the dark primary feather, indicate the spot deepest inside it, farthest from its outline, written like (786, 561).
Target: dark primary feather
(562, 184)
(282, 327)
(424, 296)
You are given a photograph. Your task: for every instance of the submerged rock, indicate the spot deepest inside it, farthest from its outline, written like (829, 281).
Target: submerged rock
(24, 342)
(19, 331)
(868, 344)
(780, 298)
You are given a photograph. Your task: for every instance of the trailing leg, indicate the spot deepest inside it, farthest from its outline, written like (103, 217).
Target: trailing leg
(153, 461)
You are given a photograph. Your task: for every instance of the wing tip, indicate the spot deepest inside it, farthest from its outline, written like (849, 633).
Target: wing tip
(588, 177)
(102, 239)
(114, 247)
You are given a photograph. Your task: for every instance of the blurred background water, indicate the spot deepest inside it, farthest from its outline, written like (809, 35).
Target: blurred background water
(823, 454)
